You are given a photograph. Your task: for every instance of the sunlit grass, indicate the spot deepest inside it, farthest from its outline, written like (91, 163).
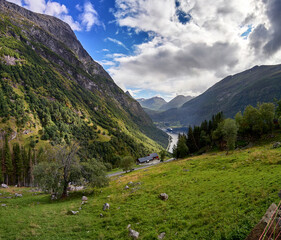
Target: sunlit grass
(214, 196)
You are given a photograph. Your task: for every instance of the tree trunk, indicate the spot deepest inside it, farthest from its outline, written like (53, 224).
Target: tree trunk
(64, 192)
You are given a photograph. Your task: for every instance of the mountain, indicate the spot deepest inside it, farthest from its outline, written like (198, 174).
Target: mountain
(230, 95)
(52, 91)
(154, 103)
(176, 102)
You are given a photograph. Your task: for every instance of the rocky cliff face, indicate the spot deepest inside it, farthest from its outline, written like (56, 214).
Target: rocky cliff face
(41, 55)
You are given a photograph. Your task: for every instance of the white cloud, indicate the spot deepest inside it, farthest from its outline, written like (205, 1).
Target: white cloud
(116, 42)
(79, 7)
(88, 18)
(18, 2)
(188, 57)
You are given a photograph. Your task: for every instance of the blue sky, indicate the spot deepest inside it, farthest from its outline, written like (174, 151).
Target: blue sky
(171, 47)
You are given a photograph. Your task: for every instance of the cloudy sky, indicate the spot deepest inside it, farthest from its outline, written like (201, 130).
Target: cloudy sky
(172, 47)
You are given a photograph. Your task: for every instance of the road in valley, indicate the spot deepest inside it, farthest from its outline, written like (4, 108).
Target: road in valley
(142, 167)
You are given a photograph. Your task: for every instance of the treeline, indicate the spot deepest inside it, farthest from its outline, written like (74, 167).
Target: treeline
(228, 133)
(16, 164)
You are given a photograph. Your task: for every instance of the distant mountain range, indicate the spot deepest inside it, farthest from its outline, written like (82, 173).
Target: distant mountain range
(230, 95)
(157, 104)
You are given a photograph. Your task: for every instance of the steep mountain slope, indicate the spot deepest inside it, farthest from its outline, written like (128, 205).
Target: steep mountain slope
(52, 91)
(232, 94)
(154, 103)
(176, 102)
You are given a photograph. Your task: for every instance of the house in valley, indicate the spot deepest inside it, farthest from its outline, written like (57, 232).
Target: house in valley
(148, 158)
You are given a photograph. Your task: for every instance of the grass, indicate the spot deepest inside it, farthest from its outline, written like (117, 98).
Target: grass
(213, 196)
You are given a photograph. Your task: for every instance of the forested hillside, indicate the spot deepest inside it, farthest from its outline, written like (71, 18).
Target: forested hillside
(52, 92)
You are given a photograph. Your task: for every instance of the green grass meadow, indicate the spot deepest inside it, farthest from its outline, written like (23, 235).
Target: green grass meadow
(213, 196)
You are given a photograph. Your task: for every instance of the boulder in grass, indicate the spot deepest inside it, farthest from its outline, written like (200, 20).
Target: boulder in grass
(164, 196)
(4, 185)
(106, 206)
(72, 212)
(54, 197)
(18, 195)
(3, 205)
(84, 199)
(127, 187)
(133, 234)
(276, 145)
(161, 235)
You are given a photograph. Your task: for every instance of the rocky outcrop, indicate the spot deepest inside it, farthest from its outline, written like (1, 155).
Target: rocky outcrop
(259, 229)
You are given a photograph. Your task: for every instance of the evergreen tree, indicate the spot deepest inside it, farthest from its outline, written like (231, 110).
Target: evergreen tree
(8, 161)
(1, 163)
(181, 150)
(191, 143)
(25, 166)
(18, 164)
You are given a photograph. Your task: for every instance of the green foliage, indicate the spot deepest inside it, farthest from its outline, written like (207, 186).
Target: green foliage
(48, 176)
(163, 154)
(229, 132)
(256, 121)
(8, 165)
(127, 163)
(18, 163)
(94, 173)
(1, 163)
(181, 150)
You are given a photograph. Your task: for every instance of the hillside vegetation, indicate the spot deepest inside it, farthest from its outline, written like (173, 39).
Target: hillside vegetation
(52, 92)
(213, 196)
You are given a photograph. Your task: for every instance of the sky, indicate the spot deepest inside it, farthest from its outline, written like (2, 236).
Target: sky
(171, 47)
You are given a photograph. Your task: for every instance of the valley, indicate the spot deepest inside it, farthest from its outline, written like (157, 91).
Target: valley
(87, 153)
(214, 196)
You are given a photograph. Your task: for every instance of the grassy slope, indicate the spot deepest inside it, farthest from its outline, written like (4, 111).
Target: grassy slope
(217, 197)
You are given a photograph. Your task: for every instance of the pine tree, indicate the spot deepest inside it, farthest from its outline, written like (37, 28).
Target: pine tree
(191, 143)
(1, 163)
(8, 161)
(18, 164)
(25, 162)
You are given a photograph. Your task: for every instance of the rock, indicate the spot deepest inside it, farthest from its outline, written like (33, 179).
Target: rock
(276, 145)
(130, 183)
(129, 226)
(53, 197)
(161, 235)
(259, 228)
(101, 215)
(4, 185)
(127, 187)
(106, 206)
(73, 212)
(3, 205)
(84, 199)
(163, 196)
(18, 195)
(134, 234)
(186, 170)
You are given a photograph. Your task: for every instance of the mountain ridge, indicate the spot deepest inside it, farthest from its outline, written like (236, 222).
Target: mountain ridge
(230, 95)
(72, 85)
